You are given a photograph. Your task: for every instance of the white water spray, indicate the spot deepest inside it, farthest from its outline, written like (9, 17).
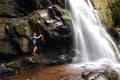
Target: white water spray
(92, 42)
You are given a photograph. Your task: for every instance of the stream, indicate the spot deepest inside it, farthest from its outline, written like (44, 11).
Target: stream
(49, 73)
(67, 72)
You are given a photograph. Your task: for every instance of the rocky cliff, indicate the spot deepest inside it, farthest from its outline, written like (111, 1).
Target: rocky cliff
(109, 10)
(19, 19)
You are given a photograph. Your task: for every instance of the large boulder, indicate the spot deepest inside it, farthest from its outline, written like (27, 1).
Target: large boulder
(92, 74)
(19, 19)
(55, 25)
(17, 8)
(14, 37)
(36, 61)
(105, 11)
(5, 47)
(20, 8)
(115, 8)
(109, 11)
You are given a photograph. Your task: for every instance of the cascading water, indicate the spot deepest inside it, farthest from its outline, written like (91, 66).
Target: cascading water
(65, 4)
(92, 42)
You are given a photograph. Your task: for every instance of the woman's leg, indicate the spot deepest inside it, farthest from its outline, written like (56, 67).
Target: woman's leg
(35, 49)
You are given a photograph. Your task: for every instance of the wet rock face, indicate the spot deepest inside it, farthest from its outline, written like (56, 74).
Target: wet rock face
(29, 62)
(110, 10)
(71, 77)
(20, 8)
(100, 74)
(5, 47)
(14, 38)
(51, 20)
(7, 8)
(55, 25)
(17, 25)
(91, 74)
(104, 10)
(114, 33)
(97, 77)
(26, 6)
(17, 8)
(115, 8)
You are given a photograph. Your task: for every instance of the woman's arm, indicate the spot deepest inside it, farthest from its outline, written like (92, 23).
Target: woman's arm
(38, 36)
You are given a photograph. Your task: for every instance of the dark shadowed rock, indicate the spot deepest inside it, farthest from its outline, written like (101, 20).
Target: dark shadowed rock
(72, 76)
(91, 74)
(114, 33)
(19, 19)
(56, 29)
(20, 8)
(100, 74)
(25, 63)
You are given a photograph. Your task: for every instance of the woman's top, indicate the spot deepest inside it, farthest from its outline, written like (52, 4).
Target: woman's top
(34, 41)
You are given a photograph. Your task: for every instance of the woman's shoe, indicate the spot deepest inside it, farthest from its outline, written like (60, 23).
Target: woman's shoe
(34, 54)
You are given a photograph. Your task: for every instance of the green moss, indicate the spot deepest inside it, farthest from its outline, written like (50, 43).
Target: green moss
(33, 16)
(11, 21)
(5, 6)
(100, 8)
(5, 47)
(21, 28)
(65, 13)
(20, 24)
(30, 15)
(15, 64)
(115, 8)
(14, 21)
(37, 58)
(108, 25)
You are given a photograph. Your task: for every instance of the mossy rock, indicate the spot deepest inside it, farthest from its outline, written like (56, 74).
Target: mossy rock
(37, 58)
(15, 65)
(104, 10)
(7, 9)
(5, 47)
(66, 15)
(115, 8)
(112, 74)
(33, 16)
(22, 28)
(11, 21)
(2, 30)
(14, 29)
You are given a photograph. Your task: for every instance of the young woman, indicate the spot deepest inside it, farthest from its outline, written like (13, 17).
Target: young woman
(34, 40)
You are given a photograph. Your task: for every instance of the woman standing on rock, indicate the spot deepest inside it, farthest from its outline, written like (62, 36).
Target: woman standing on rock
(34, 40)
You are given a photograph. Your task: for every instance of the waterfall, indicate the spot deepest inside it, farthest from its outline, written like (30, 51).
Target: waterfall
(65, 4)
(91, 41)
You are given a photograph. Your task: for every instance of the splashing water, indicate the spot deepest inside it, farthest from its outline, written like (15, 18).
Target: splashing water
(92, 42)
